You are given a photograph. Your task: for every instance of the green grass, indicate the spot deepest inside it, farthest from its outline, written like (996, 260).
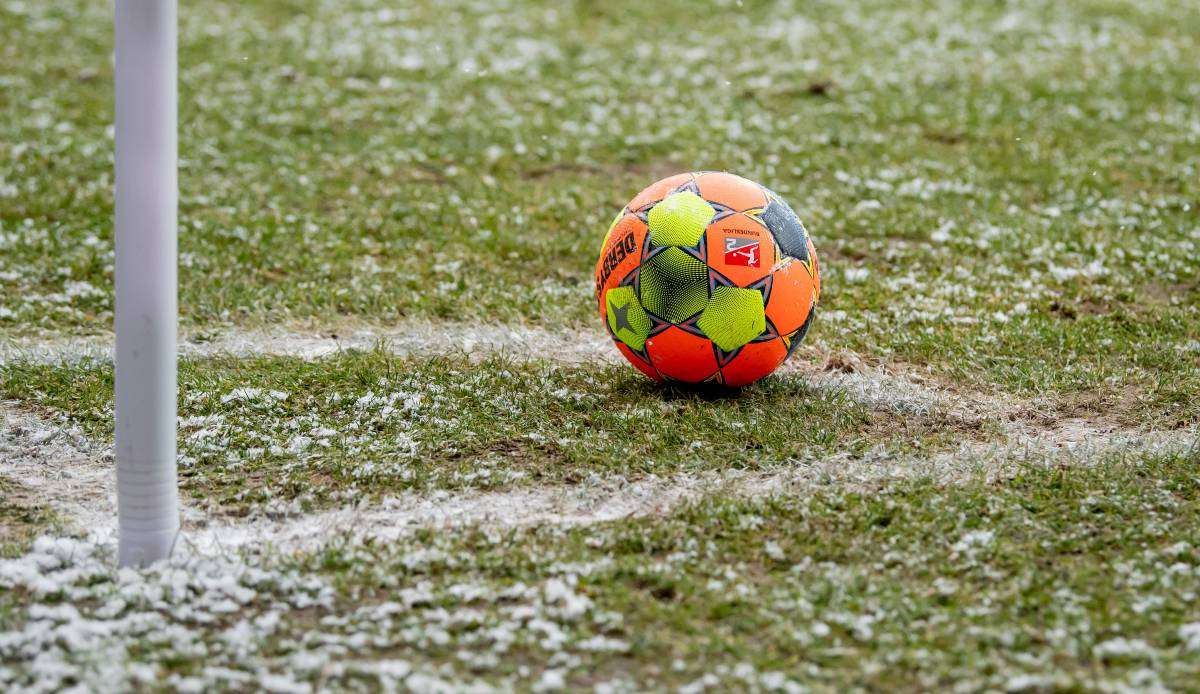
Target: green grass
(1007, 177)
(357, 423)
(908, 586)
(1005, 202)
(1060, 579)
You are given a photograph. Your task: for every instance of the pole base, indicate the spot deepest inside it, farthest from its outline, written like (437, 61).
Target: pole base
(138, 548)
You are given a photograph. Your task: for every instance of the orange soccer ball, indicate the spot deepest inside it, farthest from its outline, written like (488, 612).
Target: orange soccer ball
(707, 278)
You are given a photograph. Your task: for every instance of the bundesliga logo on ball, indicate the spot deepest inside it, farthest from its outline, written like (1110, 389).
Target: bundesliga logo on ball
(707, 278)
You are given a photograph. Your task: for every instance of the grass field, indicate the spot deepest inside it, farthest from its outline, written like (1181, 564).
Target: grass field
(409, 458)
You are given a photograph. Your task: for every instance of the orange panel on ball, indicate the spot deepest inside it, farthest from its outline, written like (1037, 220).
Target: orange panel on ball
(754, 361)
(732, 191)
(621, 255)
(636, 359)
(658, 190)
(741, 249)
(682, 356)
(792, 295)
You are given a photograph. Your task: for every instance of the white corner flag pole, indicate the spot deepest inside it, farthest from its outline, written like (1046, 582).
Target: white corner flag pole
(145, 309)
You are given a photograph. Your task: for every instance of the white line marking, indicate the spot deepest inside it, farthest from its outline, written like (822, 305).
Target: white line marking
(611, 498)
(873, 388)
(77, 480)
(412, 337)
(76, 476)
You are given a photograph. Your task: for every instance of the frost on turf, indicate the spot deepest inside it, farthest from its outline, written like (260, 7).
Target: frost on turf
(521, 124)
(1006, 193)
(198, 622)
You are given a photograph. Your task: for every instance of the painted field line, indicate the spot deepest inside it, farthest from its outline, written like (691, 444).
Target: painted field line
(91, 502)
(874, 388)
(410, 337)
(76, 476)
(612, 498)
(76, 479)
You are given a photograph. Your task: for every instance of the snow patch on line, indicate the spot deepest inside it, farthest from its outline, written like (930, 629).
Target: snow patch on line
(418, 337)
(595, 500)
(877, 390)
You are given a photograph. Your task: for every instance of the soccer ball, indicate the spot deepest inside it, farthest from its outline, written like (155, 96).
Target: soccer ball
(707, 278)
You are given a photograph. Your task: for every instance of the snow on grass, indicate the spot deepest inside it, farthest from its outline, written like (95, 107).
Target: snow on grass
(1003, 194)
(77, 479)
(201, 621)
(316, 188)
(1008, 582)
(84, 620)
(604, 498)
(59, 465)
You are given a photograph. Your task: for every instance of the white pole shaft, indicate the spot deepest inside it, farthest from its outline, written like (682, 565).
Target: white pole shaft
(146, 308)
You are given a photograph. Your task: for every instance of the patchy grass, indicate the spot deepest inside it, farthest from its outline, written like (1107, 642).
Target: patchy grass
(371, 422)
(1006, 192)
(1003, 195)
(1057, 578)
